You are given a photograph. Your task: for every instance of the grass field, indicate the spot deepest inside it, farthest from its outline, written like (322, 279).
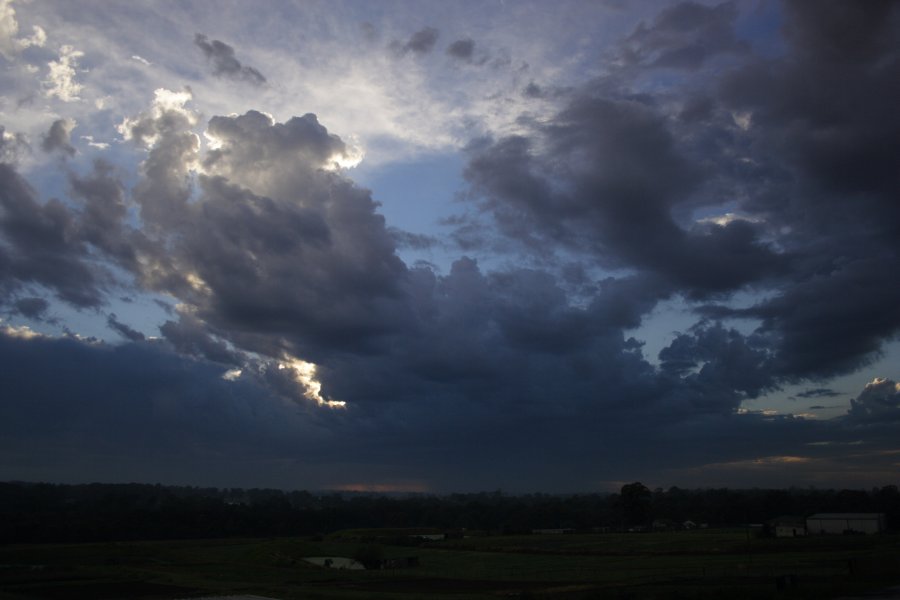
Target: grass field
(688, 564)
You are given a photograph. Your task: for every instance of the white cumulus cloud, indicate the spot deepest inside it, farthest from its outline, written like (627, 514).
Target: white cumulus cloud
(61, 80)
(10, 43)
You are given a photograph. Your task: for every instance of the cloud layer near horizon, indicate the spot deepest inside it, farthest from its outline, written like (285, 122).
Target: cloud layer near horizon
(748, 188)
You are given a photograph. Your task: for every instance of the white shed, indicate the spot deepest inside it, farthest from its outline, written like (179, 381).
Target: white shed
(845, 523)
(788, 526)
(336, 562)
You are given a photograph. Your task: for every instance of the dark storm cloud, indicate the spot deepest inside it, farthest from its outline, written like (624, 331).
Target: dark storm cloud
(43, 246)
(103, 214)
(33, 308)
(879, 401)
(503, 376)
(12, 145)
(533, 90)
(825, 136)
(58, 138)
(605, 176)
(90, 411)
(301, 142)
(463, 49)
(685, 36)
(123, 330)
(304, 267)
(716, 363)
(66, 250)
(506, 358)
(818, 393)
(116, 411)
(847, 55)
(624, 301)
(224, 63)
(191, 337)
(421, 42)
(842, 30)
(139, 408)
(510, 348)
(803, 145)
(834, 322)
(276, 253)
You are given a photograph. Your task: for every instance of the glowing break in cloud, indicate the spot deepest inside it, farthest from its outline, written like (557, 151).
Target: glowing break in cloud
(232, 374)
(352, 154)
(304, 373)
(21, 332)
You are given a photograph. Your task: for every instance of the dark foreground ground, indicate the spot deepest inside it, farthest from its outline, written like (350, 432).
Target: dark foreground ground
(685, 564)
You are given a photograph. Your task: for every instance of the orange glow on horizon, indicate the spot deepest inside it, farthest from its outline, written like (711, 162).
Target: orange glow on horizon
(383, 488)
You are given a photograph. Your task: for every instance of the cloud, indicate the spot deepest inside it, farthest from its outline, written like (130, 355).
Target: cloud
(112, 408)
(878, 402)
(224, 63)
(43, 246)
(605, 176)
(10, 43)
(421, 42)
(69, 253)
(605, 204)
(267, 240)
(817, 327)
(766, 188)
(277, 260)
(123, 330)
(191, 337)
(58, 138)
(818, 393)
(94, 144)
(12, 146)
(842, 31)
(33, 308)
(685, 36)
(103, 214)
(60, 80)
(181, 420)
(417, 241)
(462, 49)
(538, 92)
(718, 363)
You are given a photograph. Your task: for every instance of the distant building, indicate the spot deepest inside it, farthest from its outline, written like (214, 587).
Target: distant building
(336, 562)
(663, 525)
(788, 526)
(430, 537)
(402, 562)
(823, 523)
(554, 531)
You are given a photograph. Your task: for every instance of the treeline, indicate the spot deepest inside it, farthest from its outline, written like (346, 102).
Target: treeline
(31, 512)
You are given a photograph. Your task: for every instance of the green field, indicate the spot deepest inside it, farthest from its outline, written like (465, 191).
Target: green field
(688, 564)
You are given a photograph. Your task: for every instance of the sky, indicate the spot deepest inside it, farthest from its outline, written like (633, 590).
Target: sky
(425, 246)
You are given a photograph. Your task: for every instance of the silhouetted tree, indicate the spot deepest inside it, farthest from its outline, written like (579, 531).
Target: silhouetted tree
(636, 499)
(369, 555)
